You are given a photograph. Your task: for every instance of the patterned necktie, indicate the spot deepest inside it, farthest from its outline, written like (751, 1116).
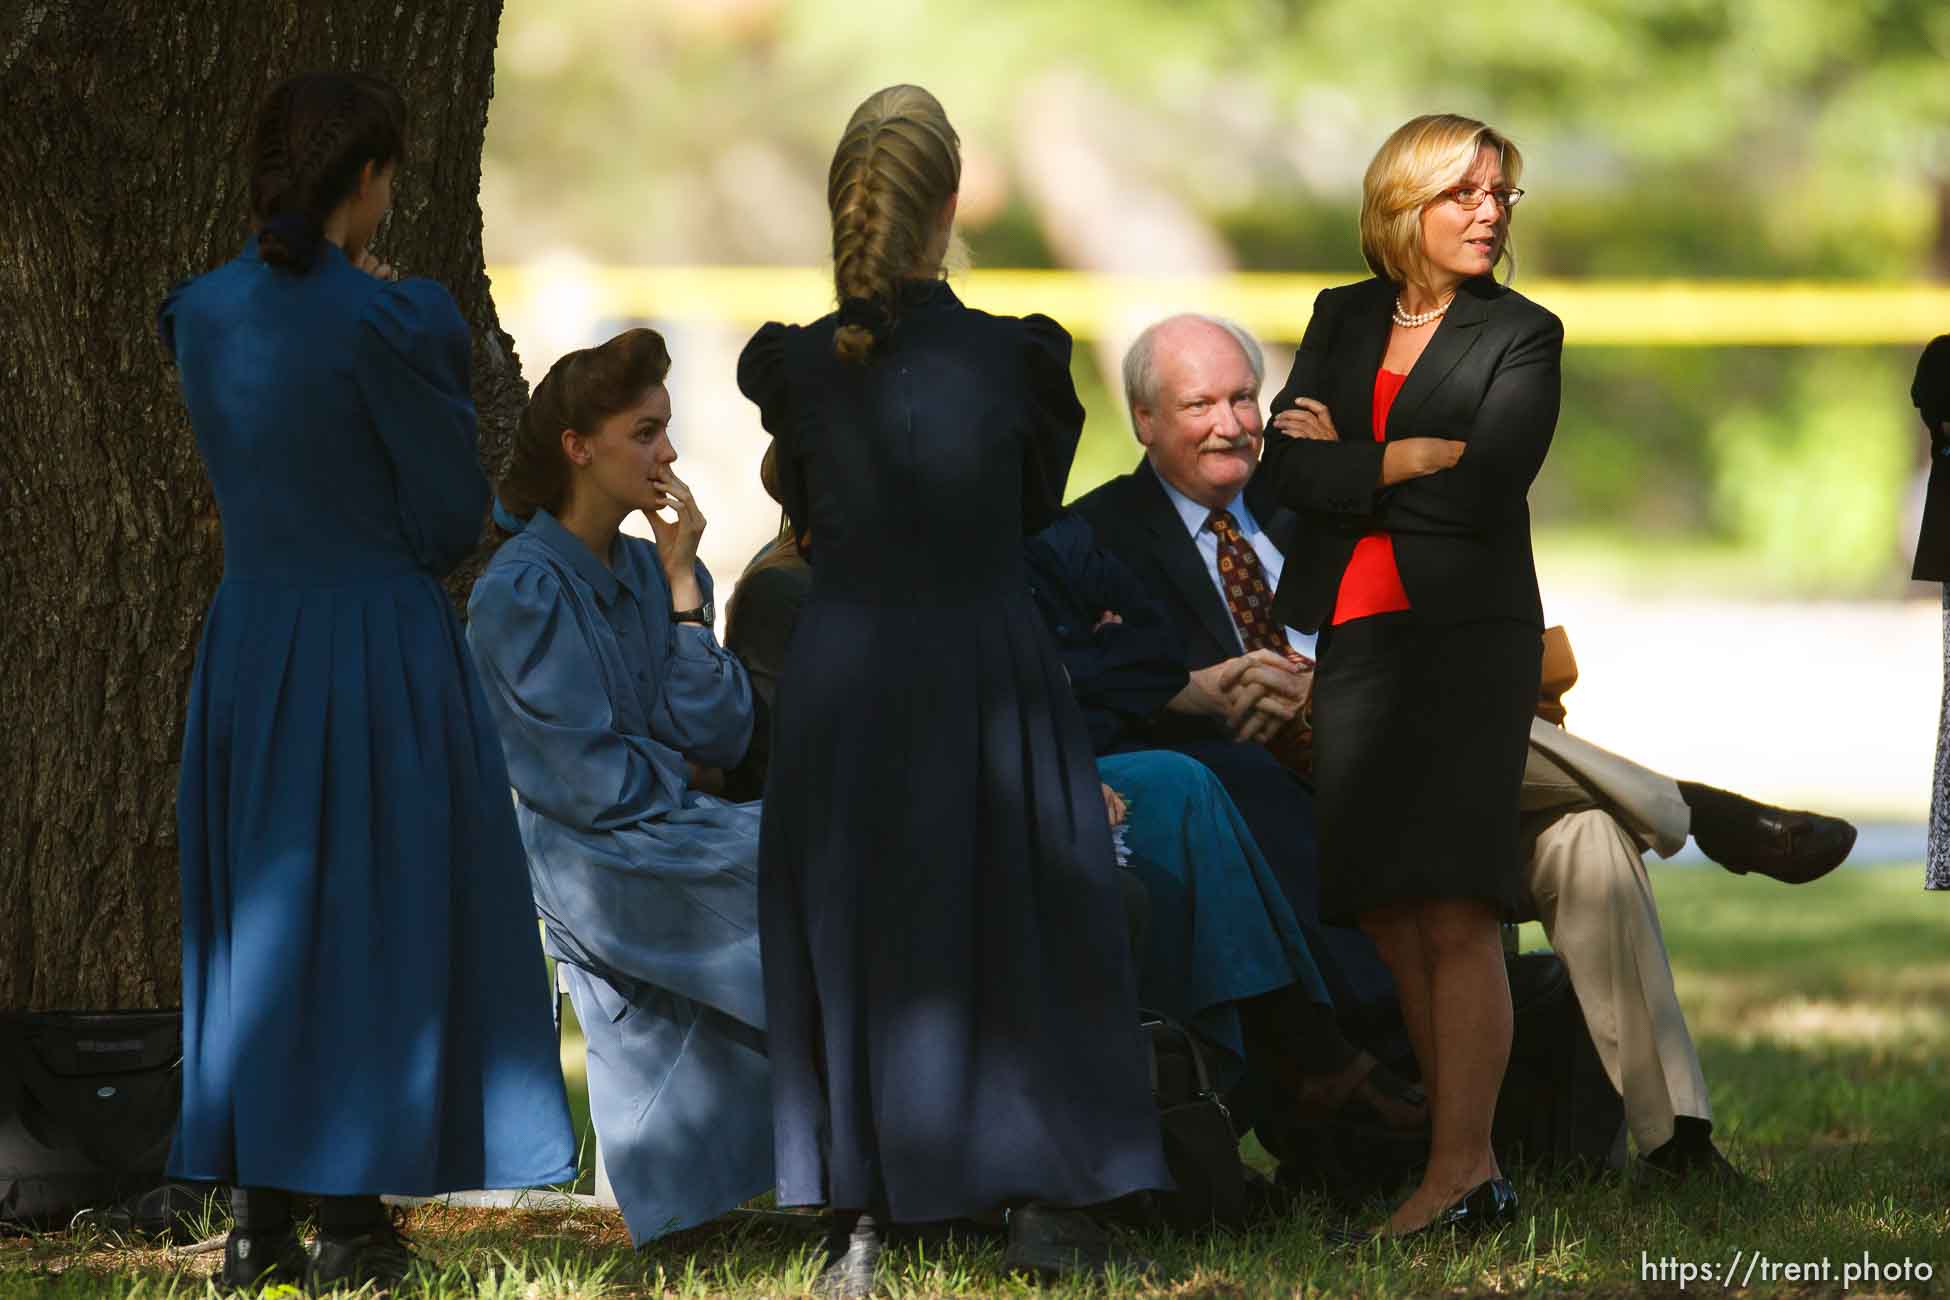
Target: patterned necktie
(1244, 583)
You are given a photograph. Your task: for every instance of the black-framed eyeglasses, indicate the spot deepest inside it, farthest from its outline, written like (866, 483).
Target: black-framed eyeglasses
(1469, 196)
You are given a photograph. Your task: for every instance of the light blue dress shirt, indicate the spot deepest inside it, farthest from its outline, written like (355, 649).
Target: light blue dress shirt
(1207, 541)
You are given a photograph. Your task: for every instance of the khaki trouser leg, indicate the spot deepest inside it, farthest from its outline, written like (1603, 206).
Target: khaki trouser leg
(1586, 882)
(1565, 769)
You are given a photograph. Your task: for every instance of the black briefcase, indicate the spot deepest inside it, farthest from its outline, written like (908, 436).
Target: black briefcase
(88, 1105)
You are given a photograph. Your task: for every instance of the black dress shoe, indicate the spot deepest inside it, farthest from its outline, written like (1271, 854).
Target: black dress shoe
(1743, 835)
(258, 1259)
(1489, 1205)
(852, 1254)
(1690, 1157)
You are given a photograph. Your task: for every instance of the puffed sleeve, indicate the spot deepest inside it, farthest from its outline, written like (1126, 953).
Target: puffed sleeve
(1055, 421)
(762, 379)
(545, 684)
(166, 317)
(1331, 478)
(704, 707)
(1507, 443)
(413, 368)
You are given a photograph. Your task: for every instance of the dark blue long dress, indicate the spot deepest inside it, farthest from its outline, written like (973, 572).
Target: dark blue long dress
(949, 997)
(364, 1004)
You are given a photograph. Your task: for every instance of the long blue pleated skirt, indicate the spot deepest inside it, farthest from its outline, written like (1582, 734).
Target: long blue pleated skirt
(365, 1008)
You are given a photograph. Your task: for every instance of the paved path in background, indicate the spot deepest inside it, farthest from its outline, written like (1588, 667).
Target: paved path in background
(1829, 705)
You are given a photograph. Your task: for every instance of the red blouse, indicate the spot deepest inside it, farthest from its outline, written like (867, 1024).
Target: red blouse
(1371, 584)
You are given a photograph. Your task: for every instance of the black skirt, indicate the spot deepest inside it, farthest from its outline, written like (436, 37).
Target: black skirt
(1421, 731)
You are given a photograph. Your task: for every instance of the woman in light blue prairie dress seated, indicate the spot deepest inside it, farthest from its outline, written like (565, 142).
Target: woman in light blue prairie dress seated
(615, 701)
(363, 991)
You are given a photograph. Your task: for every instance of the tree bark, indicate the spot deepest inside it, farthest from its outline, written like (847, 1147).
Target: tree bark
(121, 172)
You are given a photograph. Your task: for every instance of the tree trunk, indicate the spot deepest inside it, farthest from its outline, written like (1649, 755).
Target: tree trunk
(121, 172)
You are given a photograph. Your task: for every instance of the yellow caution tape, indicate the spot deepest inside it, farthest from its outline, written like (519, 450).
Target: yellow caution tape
(1275, 306)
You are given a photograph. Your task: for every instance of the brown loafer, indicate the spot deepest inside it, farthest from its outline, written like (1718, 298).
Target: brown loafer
(1744, 835)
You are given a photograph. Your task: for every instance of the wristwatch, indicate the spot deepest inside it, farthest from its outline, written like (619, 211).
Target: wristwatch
(702, 614)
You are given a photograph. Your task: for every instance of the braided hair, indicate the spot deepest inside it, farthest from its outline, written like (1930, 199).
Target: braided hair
(898, 163)
(580, 391)
(313, 135)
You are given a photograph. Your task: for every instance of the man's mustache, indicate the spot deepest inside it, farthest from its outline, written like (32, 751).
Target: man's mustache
(1242, 441)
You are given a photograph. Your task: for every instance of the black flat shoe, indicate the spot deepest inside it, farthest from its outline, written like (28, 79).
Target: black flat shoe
(1490, 1205)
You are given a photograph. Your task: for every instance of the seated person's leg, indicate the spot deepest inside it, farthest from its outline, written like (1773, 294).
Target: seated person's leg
(1587, 883)
(1278, 810)
(670, 1080)
(1739, 833)
(1225, 955)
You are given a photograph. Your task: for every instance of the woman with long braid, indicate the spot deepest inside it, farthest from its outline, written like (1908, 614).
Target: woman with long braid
(949, 997)
(362, 982)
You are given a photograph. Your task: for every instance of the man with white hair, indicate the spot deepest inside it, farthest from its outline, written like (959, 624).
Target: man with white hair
(1181, 521)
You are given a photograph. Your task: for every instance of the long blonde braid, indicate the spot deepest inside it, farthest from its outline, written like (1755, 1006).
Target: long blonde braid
(898, 163)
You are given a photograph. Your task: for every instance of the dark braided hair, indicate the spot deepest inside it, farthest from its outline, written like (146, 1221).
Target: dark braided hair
(313, 135)
(580, 391)
(897, 163)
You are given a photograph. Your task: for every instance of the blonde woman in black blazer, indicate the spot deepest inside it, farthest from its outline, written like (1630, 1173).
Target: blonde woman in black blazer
(1931, 393)
(1419, 409)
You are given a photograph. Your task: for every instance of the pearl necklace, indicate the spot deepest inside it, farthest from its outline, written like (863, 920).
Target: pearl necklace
(1408, 322)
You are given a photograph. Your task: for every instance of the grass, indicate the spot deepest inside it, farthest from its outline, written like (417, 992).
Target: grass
(1823, 1014)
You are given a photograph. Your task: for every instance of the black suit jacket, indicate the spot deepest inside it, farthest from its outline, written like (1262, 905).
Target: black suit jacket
(1135, 521)
(1931, 393)
(1489, 377)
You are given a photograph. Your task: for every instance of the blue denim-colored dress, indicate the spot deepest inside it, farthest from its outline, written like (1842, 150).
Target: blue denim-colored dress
(648, 889)
(364, 1002)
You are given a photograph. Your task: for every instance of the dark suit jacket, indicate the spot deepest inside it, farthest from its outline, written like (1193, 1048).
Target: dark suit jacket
(1135, 521)
(1931, 393)
(1123, 674)
(1489, 377)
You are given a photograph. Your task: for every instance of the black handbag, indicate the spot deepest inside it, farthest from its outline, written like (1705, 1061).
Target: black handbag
(1201, 1148)
(88, 1107)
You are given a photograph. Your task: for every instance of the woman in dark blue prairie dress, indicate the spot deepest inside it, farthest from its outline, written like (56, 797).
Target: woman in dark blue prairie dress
(950, 1005)
(364, 1004)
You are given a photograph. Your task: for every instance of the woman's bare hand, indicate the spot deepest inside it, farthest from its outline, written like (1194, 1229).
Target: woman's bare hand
(1308, 419)
(1417, 458)
(373, 267)
(677, 538)
(1114, 806)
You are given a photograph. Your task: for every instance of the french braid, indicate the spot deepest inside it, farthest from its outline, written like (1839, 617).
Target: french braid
(898, 162)
(312, 136)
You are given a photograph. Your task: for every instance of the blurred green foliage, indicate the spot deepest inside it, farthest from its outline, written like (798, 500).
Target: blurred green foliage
(1663, 138)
